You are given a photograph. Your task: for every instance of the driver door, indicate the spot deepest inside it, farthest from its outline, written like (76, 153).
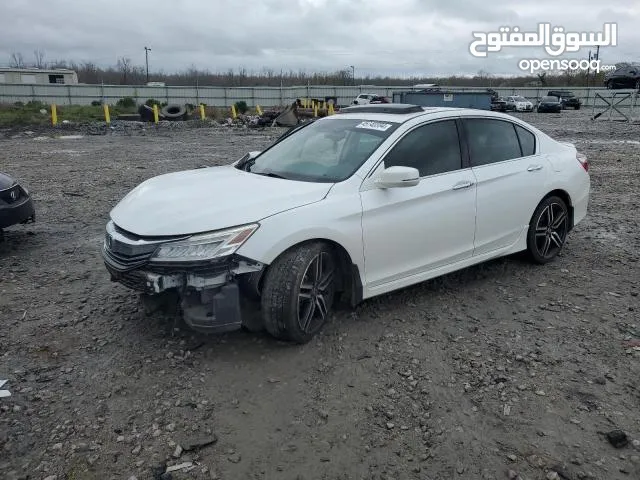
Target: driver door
(410, 231)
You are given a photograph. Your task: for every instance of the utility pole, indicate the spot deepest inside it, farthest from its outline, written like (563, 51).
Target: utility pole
(353, 74)
(146, 56)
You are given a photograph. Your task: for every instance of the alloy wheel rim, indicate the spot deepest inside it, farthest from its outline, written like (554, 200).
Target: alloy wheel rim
(551, 230)
(315, 292)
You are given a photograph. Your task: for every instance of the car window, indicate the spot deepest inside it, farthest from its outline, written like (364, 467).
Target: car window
(328, 150)
(432, 149)
(491, 141)
(527, 141)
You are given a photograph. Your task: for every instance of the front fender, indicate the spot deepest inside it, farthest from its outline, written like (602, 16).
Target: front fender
(336, 218)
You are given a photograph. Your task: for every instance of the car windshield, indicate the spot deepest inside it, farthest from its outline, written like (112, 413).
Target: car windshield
(328, 150)
(549, 99)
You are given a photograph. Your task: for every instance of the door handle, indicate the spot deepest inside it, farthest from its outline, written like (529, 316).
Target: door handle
(533, 168)
(461, 185)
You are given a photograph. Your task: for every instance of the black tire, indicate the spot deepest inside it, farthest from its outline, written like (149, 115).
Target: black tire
(548, 230)
(638, 85)
(284, 299)
(610, 84)
(174, 112)
(577, 107)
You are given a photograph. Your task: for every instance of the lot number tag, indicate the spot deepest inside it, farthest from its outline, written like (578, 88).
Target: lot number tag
(381, 127)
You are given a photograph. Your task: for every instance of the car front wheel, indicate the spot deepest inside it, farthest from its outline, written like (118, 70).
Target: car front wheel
(298, 292)
(548, 230)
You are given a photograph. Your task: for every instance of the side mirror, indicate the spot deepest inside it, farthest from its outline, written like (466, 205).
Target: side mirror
(395, 177)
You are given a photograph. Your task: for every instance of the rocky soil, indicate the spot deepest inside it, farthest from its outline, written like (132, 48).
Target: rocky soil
(504, 370)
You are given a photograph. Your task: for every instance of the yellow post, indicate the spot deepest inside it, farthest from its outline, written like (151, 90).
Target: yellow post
(202, 115)
(107, 117)
(315, 109)
(54, 114)
(331, 111)
(259, 110)
(234, 114)
(155, 113)
(324, 105)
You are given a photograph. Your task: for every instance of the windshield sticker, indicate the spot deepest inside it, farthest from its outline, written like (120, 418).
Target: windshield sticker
(379, 126)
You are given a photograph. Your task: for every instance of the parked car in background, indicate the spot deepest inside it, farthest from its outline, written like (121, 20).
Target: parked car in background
(549, 104)
(518, 103)
(367, 98)
(16, 205)
(567, 99)
(498, 104)
(627, 76)
(346, 207)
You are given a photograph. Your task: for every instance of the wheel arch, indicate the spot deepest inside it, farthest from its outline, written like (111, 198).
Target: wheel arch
(566, 198)
(349, 281)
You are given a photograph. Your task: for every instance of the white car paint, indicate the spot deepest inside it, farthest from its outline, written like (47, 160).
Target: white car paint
(364, 98)
(222, 196)
(394, 236)
(518, 104)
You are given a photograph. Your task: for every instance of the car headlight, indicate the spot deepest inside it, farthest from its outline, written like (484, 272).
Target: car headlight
(207, 246)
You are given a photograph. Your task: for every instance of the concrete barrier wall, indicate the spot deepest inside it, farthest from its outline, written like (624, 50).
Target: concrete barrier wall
(227, 96)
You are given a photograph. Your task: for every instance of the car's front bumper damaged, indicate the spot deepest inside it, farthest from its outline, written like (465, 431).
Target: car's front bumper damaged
(208, 292)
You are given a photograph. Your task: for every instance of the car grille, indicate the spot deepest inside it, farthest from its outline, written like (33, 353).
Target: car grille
(122, 255)
(134, 281)
(124, 262)
(11, 195)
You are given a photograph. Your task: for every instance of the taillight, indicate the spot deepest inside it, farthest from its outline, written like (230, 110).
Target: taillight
(583, 161)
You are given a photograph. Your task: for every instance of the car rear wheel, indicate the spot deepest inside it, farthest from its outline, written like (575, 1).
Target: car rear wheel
(298, 292)
(610, 84)
(638, 85)
(548, 230)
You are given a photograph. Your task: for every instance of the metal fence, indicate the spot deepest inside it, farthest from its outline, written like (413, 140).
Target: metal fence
(227, 96)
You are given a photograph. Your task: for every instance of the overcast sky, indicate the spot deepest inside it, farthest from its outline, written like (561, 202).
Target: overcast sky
(424, 37)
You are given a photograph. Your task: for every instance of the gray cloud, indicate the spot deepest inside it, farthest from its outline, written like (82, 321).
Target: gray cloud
(425, 37)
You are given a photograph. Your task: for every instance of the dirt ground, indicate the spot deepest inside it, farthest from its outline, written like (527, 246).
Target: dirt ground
(498, 371)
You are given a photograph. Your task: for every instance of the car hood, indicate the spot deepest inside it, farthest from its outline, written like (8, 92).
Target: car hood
(202, 200)
(6, 181)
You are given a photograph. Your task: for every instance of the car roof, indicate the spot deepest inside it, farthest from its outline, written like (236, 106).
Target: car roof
(389, 112)
(377, 113)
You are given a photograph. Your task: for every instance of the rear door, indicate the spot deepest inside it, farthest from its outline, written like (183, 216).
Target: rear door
(511, 180)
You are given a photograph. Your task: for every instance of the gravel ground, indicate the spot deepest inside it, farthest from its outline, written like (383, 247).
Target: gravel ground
(503, 370)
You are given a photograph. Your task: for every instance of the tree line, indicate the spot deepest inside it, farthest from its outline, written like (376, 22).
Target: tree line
(125, 72)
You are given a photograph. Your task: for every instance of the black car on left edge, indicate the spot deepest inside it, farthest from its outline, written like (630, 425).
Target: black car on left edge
(16, 205)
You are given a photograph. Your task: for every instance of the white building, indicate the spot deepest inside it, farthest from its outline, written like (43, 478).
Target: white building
(39, 76)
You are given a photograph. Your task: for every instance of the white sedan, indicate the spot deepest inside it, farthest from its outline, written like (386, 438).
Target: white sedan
(355, 205)
(519, 104)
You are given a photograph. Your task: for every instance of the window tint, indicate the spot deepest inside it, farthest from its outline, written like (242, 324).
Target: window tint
(527, 141)
(491, 141)
(432, 149)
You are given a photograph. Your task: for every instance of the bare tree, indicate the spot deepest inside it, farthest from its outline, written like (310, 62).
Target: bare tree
(39, 56)
(17, 60)
(124, 65)
(543, 78)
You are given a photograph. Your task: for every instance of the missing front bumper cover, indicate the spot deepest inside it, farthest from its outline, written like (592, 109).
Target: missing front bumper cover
(209, 302)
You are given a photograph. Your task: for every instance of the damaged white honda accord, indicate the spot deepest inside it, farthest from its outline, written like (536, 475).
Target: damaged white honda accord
(349, 206)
